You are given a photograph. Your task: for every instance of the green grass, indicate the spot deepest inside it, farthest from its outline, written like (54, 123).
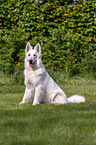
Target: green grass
(69, 124)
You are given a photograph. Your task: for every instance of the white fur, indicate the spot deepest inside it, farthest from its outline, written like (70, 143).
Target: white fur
(39, 84)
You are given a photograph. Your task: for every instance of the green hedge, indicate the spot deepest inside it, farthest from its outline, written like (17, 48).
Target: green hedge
(66, 28)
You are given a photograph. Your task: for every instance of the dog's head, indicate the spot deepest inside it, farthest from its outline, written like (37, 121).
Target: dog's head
(31, 54)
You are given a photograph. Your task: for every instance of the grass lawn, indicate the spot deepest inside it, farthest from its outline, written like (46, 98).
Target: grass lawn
(68, 124)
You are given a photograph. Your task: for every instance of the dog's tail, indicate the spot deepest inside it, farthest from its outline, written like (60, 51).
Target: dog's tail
(76, 99)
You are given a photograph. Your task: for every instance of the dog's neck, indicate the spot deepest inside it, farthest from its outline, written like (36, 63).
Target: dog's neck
(36, 71)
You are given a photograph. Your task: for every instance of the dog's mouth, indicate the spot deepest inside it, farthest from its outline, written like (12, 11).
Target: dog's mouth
(31, 63)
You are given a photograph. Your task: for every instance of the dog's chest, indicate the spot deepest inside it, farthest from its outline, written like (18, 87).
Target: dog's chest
(34, 77)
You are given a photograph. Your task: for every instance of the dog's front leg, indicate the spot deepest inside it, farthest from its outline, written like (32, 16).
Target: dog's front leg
(39, 93)
(29, 93)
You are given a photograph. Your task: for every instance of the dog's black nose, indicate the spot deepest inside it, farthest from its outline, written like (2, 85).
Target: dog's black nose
(31, 61)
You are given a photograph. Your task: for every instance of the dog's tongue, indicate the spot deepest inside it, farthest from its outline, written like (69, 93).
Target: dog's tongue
(30, 65)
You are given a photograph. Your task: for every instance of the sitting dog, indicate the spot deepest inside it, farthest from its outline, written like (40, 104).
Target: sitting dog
(39, 84)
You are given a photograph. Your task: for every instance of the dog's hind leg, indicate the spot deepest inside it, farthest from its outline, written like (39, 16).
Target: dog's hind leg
(60, 100)
(29, 93)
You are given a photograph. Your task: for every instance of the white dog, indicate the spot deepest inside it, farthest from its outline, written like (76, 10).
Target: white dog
(39, 84)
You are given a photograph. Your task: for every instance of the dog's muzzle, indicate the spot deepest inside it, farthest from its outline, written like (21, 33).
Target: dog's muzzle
(31, 62)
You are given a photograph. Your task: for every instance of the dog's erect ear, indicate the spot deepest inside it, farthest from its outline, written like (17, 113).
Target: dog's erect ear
(28, 47)
(38, 48)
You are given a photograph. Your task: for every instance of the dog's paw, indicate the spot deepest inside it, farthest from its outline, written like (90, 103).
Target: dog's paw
(35, 103)
(21, 102)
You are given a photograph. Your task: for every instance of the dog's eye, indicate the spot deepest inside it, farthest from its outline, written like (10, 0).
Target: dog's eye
(34, 55)
(28, 54)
